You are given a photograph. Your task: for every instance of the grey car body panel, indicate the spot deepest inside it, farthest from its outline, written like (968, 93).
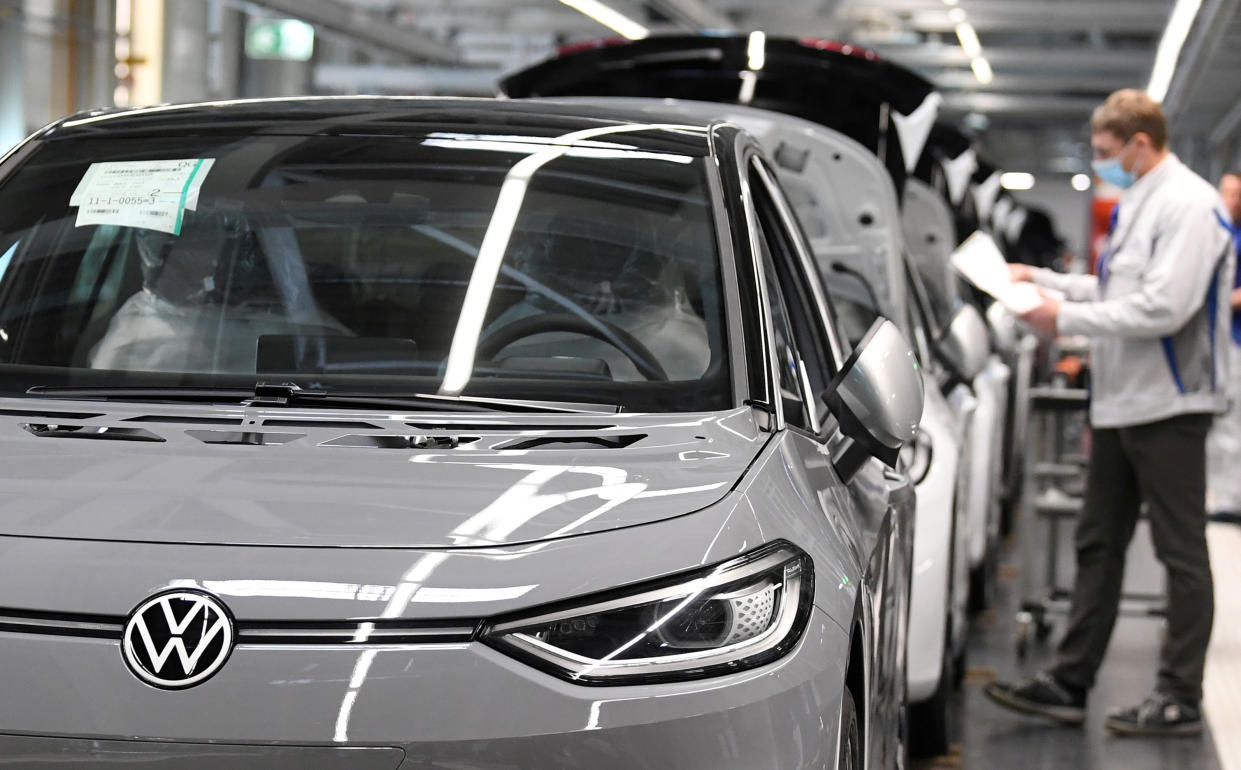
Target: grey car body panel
(784, 724)
(323, 584)
(306, 492)
(58, 752)
(85, 689)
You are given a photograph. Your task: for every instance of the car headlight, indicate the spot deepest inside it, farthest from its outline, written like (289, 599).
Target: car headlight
(916, 457)
(736, 615)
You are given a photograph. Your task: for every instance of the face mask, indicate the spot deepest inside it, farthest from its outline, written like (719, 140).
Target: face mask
(1113, 171)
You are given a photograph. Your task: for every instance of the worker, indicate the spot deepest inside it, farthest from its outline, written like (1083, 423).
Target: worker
(1224, 442)
(1157, 319)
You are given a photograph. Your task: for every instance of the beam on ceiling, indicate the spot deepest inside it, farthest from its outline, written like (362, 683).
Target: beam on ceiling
(1226, 129)
(1030, 16)
(1100, 8)
(990, 103)
(692, 13)
(353, 23)
(414, 80)
(1213, 21)
(1068, 18)
(962, 79)
(1040, 59)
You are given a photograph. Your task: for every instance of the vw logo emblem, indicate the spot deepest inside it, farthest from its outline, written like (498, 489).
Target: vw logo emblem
(177, 639)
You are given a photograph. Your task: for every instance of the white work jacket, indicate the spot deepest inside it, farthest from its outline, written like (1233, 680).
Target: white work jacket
(1158, 313)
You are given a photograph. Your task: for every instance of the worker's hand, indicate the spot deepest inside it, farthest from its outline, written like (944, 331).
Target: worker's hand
(1235, 299)
(1043, 318)
(1019, 272)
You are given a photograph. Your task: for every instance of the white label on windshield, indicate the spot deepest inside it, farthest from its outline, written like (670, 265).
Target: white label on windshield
(152, 194)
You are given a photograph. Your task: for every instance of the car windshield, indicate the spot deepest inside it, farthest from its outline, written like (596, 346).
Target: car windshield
(443, 263)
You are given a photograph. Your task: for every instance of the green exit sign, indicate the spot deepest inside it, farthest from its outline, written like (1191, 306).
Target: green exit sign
(287, 39)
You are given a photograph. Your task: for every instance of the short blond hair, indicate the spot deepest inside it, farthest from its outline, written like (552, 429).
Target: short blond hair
(1129, 111)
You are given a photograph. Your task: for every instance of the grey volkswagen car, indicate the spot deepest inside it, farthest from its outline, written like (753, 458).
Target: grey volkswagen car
(379, 433)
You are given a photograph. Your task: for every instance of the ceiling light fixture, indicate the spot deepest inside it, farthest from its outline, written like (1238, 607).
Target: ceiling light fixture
(609, 17)
(982, 70)
(749, 81)
(971, 46)
(1016, 180)
(757, 50)
(1180, 22)
(1080, 182)
(969, 40)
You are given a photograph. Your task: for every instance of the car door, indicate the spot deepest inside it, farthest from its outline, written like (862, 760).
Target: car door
(809, 352)
(961, 403)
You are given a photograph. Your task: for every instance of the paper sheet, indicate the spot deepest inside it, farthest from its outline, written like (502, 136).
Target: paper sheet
(979, 260)
(1019, 297)
(152, 194)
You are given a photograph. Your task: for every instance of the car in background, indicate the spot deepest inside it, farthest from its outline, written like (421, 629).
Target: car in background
(952, 168)
(398, 432)
(929, 234)
(887, 108)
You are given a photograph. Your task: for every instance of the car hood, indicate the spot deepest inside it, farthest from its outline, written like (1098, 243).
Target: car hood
(246, 476)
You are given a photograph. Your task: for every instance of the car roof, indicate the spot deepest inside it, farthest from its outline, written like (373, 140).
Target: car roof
(391, 116)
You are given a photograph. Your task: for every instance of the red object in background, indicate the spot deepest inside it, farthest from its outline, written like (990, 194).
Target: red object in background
(602, 42)
(1100, 217)
(824, 44)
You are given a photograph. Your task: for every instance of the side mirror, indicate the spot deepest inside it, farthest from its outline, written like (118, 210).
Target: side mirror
(965, 345)
(1003, 327)
(877, 397)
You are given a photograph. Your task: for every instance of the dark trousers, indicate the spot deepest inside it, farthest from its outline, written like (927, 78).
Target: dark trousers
(1162, 464)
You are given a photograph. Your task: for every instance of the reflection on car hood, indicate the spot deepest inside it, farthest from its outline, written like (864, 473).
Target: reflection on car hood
(238, 475)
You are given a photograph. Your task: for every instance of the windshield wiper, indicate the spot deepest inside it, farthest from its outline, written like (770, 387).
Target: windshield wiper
(290, 394)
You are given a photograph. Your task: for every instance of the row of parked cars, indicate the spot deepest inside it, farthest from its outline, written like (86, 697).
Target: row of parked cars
(636, 420)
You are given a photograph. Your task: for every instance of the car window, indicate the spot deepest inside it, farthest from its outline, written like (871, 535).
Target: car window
(368, 264)
(939, 292)
(855, 311)
(788, 358)
(920, 319)
(801, 341)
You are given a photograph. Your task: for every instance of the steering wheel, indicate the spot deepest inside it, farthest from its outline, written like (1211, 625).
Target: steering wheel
(641, 356)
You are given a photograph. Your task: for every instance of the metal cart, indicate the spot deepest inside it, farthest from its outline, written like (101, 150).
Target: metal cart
(1055, 470)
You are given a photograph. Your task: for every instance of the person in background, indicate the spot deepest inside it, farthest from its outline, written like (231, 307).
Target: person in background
(1224, 443)
(1157, 316)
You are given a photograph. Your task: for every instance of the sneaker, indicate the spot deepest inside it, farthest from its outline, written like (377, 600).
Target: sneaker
(1042, 695)
(1158, 715)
